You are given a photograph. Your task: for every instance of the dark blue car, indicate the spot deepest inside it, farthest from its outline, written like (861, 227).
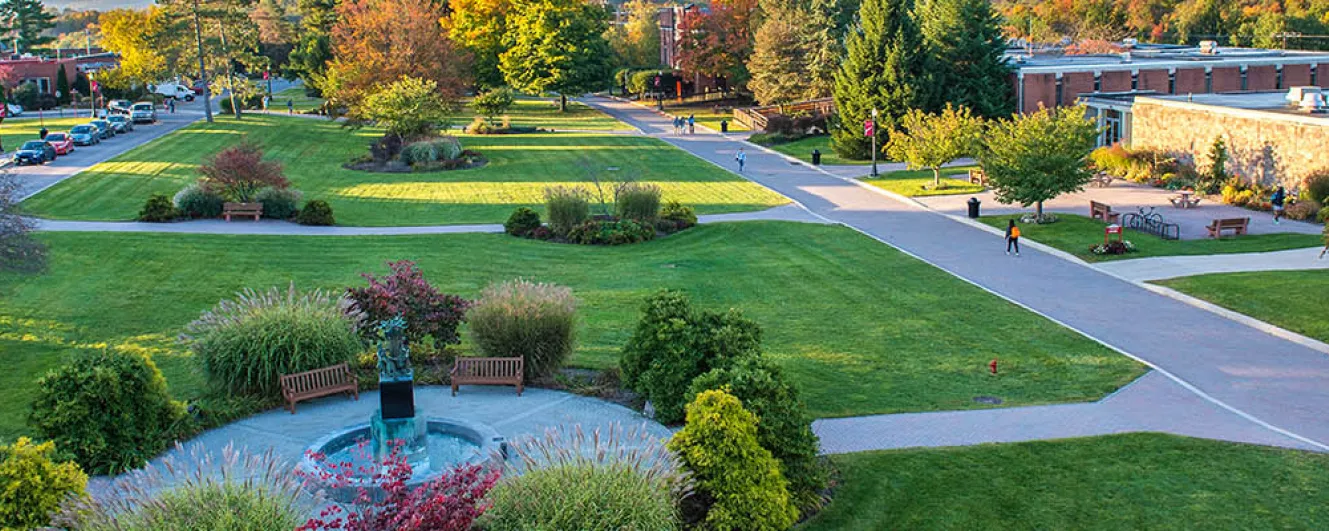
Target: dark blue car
(34, 152)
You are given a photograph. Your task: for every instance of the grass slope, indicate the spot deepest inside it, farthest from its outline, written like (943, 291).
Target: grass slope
(801, 149)
(1290, 299)
(918, 183)
(1074, 234)
(535, 112)
(296, 95)
(313, 151)
(1134, 481)
(860, 327)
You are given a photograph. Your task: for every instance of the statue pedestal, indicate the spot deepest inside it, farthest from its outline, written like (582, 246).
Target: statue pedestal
(396, 397)
(408, 435)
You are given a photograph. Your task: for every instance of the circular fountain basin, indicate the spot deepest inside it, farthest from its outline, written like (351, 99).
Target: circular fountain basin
(451, 442)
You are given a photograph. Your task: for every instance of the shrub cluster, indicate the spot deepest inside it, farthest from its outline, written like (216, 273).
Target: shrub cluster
(315, 212)
(522, 222)
(33, 484)
(638, 202)
(1303, 209)
(1148, 166)
(405, 292)
(615, 480)
(197, 201)
(424, 152)
(110, 410)
(481, 126)
(246, 344)
(619, 232)
(740, 479)
(279, 203)
(239, 172)
(676, 216)
(520, 318)
(567, 208)
(158, 209)
(1121, 247)
(1316, 186)
(795, 127)
(238, 490)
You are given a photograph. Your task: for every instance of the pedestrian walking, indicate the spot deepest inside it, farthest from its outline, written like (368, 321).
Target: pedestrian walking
(290, 106)
(692, 125)
(742, 159)
(170, 105)
(266, 100)
(42, 134)
(1280, 196)
(1012, 238)
(678, 124)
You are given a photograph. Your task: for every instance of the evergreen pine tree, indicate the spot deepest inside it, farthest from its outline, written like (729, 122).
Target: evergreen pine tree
(885, 68)
(62, 85)
(965, 42)
(27, 20)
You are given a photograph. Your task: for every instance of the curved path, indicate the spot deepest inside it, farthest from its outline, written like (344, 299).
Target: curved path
(1269, 382)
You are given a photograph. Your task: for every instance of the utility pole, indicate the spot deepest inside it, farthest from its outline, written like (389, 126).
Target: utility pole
(230, 69)
(202, 70)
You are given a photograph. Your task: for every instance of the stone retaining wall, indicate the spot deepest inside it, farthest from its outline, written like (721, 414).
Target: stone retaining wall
(1264, 146)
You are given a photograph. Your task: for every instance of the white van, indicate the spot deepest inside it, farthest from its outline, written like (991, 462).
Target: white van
(174, 90)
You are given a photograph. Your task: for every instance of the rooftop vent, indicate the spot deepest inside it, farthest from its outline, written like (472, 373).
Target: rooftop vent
(1314, 103)
(1295, 95)
(1209, 47)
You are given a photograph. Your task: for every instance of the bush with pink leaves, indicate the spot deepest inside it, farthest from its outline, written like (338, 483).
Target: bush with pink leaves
(405, 292)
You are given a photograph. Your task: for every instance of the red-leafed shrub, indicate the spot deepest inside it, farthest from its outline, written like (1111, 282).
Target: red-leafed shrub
(450, 502)
(239, 172)
(405, 292)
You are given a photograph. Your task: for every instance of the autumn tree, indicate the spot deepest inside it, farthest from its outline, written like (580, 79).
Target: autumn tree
(779, 62)
(380, 41)
(479, 26)
(797, 50)
(129, 32)
(407, 108)
(934, 140)
(967, 49)
(276, 35)
(718, 42)
(230, 39)
(556, 46)
(239, 172)
(636, 43)
(1036, 157)
(885, 68)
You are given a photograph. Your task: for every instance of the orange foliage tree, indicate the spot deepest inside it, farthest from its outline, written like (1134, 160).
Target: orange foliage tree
(718, 42)
(377, 42)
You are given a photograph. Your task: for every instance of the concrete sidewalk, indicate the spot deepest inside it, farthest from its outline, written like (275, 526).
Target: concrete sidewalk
(1163, 267)
(1276, 384)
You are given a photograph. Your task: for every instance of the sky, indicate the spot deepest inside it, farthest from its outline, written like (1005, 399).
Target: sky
(101, 5)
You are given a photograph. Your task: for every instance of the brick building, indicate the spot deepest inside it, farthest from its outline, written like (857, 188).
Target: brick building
(43, 72)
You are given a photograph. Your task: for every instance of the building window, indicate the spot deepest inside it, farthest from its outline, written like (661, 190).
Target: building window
(1243, 79)
(1171, 82)
(1098, 82)
(1135, 80)
(1111, 127)
(1278, 79)
(1060, 91)
(1209, 81)
(1313, 83)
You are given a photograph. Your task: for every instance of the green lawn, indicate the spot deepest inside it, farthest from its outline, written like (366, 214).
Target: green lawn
(802, 150)
(313, 151)
(917, 183)
(295, 95)
(14, 132)
(1290, 299)
(543, 112)
(860, 327)
(1074, 234)
(1132, 481)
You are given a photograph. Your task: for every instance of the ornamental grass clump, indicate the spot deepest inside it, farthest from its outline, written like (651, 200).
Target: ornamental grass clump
(525, 319)
(616, 479)
(567, 208)
(638, 202)
(239, 490)
(246, 344)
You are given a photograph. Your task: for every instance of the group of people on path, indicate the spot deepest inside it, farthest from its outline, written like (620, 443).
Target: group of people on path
(685, 125)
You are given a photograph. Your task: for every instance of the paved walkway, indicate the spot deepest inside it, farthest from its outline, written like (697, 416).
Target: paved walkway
(285, 228)
(1163, 267)
(1271, 382)
(537, 410)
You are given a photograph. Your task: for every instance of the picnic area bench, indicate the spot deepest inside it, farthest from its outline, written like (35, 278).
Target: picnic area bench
(487, 371)
(318, 382)
(1101, 180)
(1236, 225)
(242, 209)
(1102, 211)
(978, 176)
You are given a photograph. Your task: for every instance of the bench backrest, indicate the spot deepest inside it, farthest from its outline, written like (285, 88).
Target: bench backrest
(489, 367)
(242, 207)
(300, 382)
(1096, 207)
(1231, 222)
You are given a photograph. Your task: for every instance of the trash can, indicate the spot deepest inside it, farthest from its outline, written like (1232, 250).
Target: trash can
(973, 208)
(816, 157)
(724, 126)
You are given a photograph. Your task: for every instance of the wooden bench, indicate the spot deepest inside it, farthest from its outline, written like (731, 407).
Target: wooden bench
(1236, 225)
(318, 382)
(1103, 212)
(242, 209)
(1101, 180)
(978, 176)
(487, 371)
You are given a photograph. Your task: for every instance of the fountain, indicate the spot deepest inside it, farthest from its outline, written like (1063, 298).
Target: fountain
(431, 445)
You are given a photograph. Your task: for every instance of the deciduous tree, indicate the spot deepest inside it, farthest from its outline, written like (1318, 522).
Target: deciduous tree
(129, 32)
(1033, 158)
(239, 172)
(408, 107)
(934, 140)
(636, 43)
(556, 46)
(798, 48)
(18, 250)
(479, 26)
(381, 41)
(718, 42)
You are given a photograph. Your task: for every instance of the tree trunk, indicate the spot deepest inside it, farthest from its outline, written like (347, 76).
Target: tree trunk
(1038, 214)
(936, 177)
(562, 102)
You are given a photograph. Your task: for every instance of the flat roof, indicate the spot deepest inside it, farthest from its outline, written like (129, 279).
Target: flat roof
(1157, 56)
(1266, 102)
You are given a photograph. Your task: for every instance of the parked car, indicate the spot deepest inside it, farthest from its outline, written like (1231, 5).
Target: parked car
(85, 135)
(198, 87)
(34, 152)
(120, 124)
(103, 129)
(118, 107)
(13, 110)
(143, 112)
(62, 142)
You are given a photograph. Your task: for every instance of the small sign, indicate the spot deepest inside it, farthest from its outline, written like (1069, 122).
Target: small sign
(869, 127)
(95, 86)
(265, 75)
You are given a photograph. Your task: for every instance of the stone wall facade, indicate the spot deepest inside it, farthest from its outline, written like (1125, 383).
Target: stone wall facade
(1264, 146)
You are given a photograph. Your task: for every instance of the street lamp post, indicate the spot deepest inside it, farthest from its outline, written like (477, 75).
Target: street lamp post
(874, 141)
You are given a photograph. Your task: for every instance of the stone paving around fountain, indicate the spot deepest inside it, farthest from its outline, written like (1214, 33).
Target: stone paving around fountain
(499, 407)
